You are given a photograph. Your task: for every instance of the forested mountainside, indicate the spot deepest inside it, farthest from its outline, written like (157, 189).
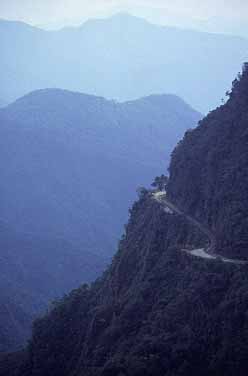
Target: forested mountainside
(157, 310)
(210, 179)
(121, 57)
(70, 164)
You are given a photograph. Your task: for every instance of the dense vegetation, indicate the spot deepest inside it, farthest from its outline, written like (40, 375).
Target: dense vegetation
(70, 164)
(122, 57)
(156, 310)
(209, 179)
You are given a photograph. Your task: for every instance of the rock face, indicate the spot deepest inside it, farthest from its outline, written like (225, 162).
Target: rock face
(70, 164)
(209, 179)
(157, 310)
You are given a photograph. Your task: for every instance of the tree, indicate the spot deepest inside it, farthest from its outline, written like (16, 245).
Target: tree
(160, 182)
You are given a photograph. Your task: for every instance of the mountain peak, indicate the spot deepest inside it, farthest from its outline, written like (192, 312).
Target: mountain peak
(121, 19)
(125, 16)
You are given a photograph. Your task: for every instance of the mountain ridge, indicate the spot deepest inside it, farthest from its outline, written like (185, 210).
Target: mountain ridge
(116, 60)
(125, 16)
(36, 94)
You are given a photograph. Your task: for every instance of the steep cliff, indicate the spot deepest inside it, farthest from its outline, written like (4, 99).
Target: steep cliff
(158, 310)
(209, 175)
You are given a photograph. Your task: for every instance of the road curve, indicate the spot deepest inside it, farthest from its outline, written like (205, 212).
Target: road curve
(209, 251)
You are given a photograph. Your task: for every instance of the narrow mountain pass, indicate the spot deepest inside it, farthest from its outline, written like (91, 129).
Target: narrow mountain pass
(209, 251)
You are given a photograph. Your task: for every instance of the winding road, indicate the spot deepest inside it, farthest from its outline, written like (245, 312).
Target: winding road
(209, 251)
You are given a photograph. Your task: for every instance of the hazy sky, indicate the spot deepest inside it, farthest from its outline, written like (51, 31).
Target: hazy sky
(191, 12)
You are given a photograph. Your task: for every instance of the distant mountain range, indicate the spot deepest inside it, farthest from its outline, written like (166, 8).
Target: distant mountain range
(122, 57)
(70, 164)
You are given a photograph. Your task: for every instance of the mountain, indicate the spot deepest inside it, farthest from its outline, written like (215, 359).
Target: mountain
(166, 305)
(70, 164)
(122, 57)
